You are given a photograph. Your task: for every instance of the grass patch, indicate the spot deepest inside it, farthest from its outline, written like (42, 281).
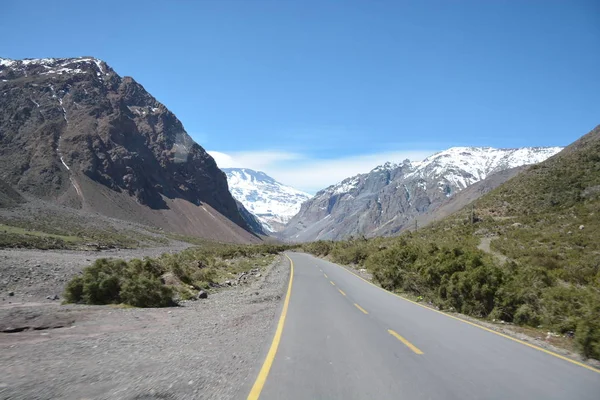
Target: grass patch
(13, 236)
(47, 231)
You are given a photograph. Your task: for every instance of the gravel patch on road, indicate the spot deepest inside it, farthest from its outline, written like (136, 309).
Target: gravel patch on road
(206, 349)
(34, 275)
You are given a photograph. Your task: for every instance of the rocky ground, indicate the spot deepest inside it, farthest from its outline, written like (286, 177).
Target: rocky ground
(205, 349)
(40, 276)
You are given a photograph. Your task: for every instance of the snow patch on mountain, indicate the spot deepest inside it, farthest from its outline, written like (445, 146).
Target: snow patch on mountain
(464, 166)
(458, 166)
(55, 65)
(273, 203)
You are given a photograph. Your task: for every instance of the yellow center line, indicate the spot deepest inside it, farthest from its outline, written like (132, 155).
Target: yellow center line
(360, 308)
(342, 292)
(264, 371)
(406, 342)
(332, 283)
(326, 276)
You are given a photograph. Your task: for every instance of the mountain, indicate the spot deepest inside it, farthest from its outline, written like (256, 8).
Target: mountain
(388, 198)
(74, 132)
(253, 222)
(273, 203)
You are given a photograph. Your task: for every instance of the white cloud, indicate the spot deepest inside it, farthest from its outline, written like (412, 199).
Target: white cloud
(311, 174)
(258, 160)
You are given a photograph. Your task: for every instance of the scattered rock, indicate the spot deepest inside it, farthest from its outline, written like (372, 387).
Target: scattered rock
(581, 227)
(202, 295)
(11, 293)
(228, 283)
(170, 279)
(257, 275)
(53, 297)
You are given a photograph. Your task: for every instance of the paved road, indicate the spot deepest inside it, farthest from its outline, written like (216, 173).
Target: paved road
(346, 339)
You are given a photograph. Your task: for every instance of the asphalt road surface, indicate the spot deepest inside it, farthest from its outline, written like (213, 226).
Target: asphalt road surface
(342, 338)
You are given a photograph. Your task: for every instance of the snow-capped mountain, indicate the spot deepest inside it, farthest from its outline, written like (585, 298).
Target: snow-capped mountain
(273, 203)
(389, 197)
(464, 166)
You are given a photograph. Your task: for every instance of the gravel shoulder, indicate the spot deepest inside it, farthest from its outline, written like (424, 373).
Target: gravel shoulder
(205, 349)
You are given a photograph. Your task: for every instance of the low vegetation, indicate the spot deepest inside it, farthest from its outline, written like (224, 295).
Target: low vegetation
(545, 223)
(161, 281)
(53, 231)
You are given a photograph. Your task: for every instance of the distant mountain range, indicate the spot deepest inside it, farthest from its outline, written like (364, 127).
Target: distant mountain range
(75, 133)
(387, 199)
(273, 203)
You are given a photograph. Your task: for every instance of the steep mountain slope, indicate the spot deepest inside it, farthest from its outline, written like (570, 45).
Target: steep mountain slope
(251, 219)
(74, 132)
(388, 198)
(8, 196)
(460, 199)
(273, 203)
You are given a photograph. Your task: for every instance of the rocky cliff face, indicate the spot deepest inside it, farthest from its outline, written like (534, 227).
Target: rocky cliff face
(388, 198)
(71, 126)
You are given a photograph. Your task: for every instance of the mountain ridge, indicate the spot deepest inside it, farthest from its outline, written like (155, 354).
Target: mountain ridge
(392, 194)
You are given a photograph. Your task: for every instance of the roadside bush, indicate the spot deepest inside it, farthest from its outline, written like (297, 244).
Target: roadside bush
(106, 281)
(74, 290)
(146, 291)
(587, 337)
(101, 283)
(561, 307)
(154, 282)
(320, 248)
(473, 291)
(526, 315)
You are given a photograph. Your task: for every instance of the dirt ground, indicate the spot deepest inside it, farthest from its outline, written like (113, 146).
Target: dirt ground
(205, 349)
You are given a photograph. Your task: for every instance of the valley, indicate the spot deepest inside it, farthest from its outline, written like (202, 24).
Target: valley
(125, 252)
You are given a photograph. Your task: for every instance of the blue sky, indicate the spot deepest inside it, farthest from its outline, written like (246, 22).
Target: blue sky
(314, 91)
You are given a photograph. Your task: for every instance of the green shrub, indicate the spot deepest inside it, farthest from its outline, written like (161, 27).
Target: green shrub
(146, 291)
(74, 290)
(101, 281)
(587, 337)
(526, 315)
(562, 306)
